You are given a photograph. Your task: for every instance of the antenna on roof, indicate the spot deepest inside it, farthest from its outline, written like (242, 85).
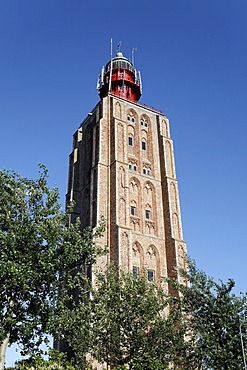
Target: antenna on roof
(110, 68)
(119, 46)
(133, 51)
(111, 48)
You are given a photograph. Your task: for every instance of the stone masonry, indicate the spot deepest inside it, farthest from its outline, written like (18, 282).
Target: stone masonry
(122, 167)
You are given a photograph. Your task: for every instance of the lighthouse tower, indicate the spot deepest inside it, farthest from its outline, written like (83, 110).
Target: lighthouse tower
(122, 167)
(119, 77)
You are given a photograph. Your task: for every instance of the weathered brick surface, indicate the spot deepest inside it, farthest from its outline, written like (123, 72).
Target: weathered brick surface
(108, 176)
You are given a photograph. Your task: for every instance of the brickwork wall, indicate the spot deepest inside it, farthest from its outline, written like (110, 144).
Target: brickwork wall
(122, 167)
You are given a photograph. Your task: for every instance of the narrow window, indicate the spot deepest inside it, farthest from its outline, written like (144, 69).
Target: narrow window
(130, 141)
(151, 276)
(135, 271)
(135, 167)
(149, 172)
(144, 171)
(144, 145)
(130, 166)
(142, 123)
(128, 118)
(145, 124)
(133, 119)
(133, 210)
(147, 213)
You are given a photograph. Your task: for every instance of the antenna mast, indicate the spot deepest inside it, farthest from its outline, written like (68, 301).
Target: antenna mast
(119, 46)
(110, 69)
(132, 59)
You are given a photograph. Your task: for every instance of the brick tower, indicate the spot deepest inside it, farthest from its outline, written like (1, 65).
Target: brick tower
(122, 167)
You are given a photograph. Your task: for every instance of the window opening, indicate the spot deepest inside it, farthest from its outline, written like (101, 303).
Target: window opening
(135, 271)
(151, 276)
(148, 214)
(130, 141)
(144, 145)
(133, 210)
(144, 123)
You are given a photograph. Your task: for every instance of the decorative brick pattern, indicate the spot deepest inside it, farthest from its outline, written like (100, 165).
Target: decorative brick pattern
(122, 167)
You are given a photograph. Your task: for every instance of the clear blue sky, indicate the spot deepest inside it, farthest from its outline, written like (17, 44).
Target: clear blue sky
(193, 59)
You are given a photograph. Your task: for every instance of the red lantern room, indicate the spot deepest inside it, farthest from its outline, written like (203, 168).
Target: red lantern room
(119, 77)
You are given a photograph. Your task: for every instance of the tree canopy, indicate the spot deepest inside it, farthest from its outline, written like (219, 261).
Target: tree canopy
(211, 315)
(57, 361)
(42, 256)
(123, 321)
(130, 323)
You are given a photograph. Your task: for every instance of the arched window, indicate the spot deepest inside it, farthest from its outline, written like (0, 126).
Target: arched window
(153, 269)
(136, 272)
(131, 116)
(146, 171)
(133, 210)
(148, 214)
(151, 276)
(145, 121)
(133, 166)
(137, 259)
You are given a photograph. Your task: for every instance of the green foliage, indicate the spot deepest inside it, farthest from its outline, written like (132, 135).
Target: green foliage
(210, 315)
(57, 361)
(45, 264)
(121, 323)
(130, 323)
(42, 260)
(127, 320)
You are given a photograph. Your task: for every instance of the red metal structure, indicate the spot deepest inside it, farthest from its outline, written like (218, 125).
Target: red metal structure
(120, 78)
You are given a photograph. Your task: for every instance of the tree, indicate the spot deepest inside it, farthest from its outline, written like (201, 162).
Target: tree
(41, 259)
(210, 314)
(128, 322)
(56, 361)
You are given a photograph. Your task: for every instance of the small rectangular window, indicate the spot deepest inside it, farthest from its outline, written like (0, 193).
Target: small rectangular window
(145, 124)
(135, 168)
(144, 145)
(133, 119)
(130, 141)
(151, 276)
(144, 171)
(149, 172)
(130, 166)
(135, 271)
(142, 123)
(147, 212)
(128, 118)
(133, 210)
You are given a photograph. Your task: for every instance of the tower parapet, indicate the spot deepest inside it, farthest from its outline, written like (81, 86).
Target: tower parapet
(120, 78)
